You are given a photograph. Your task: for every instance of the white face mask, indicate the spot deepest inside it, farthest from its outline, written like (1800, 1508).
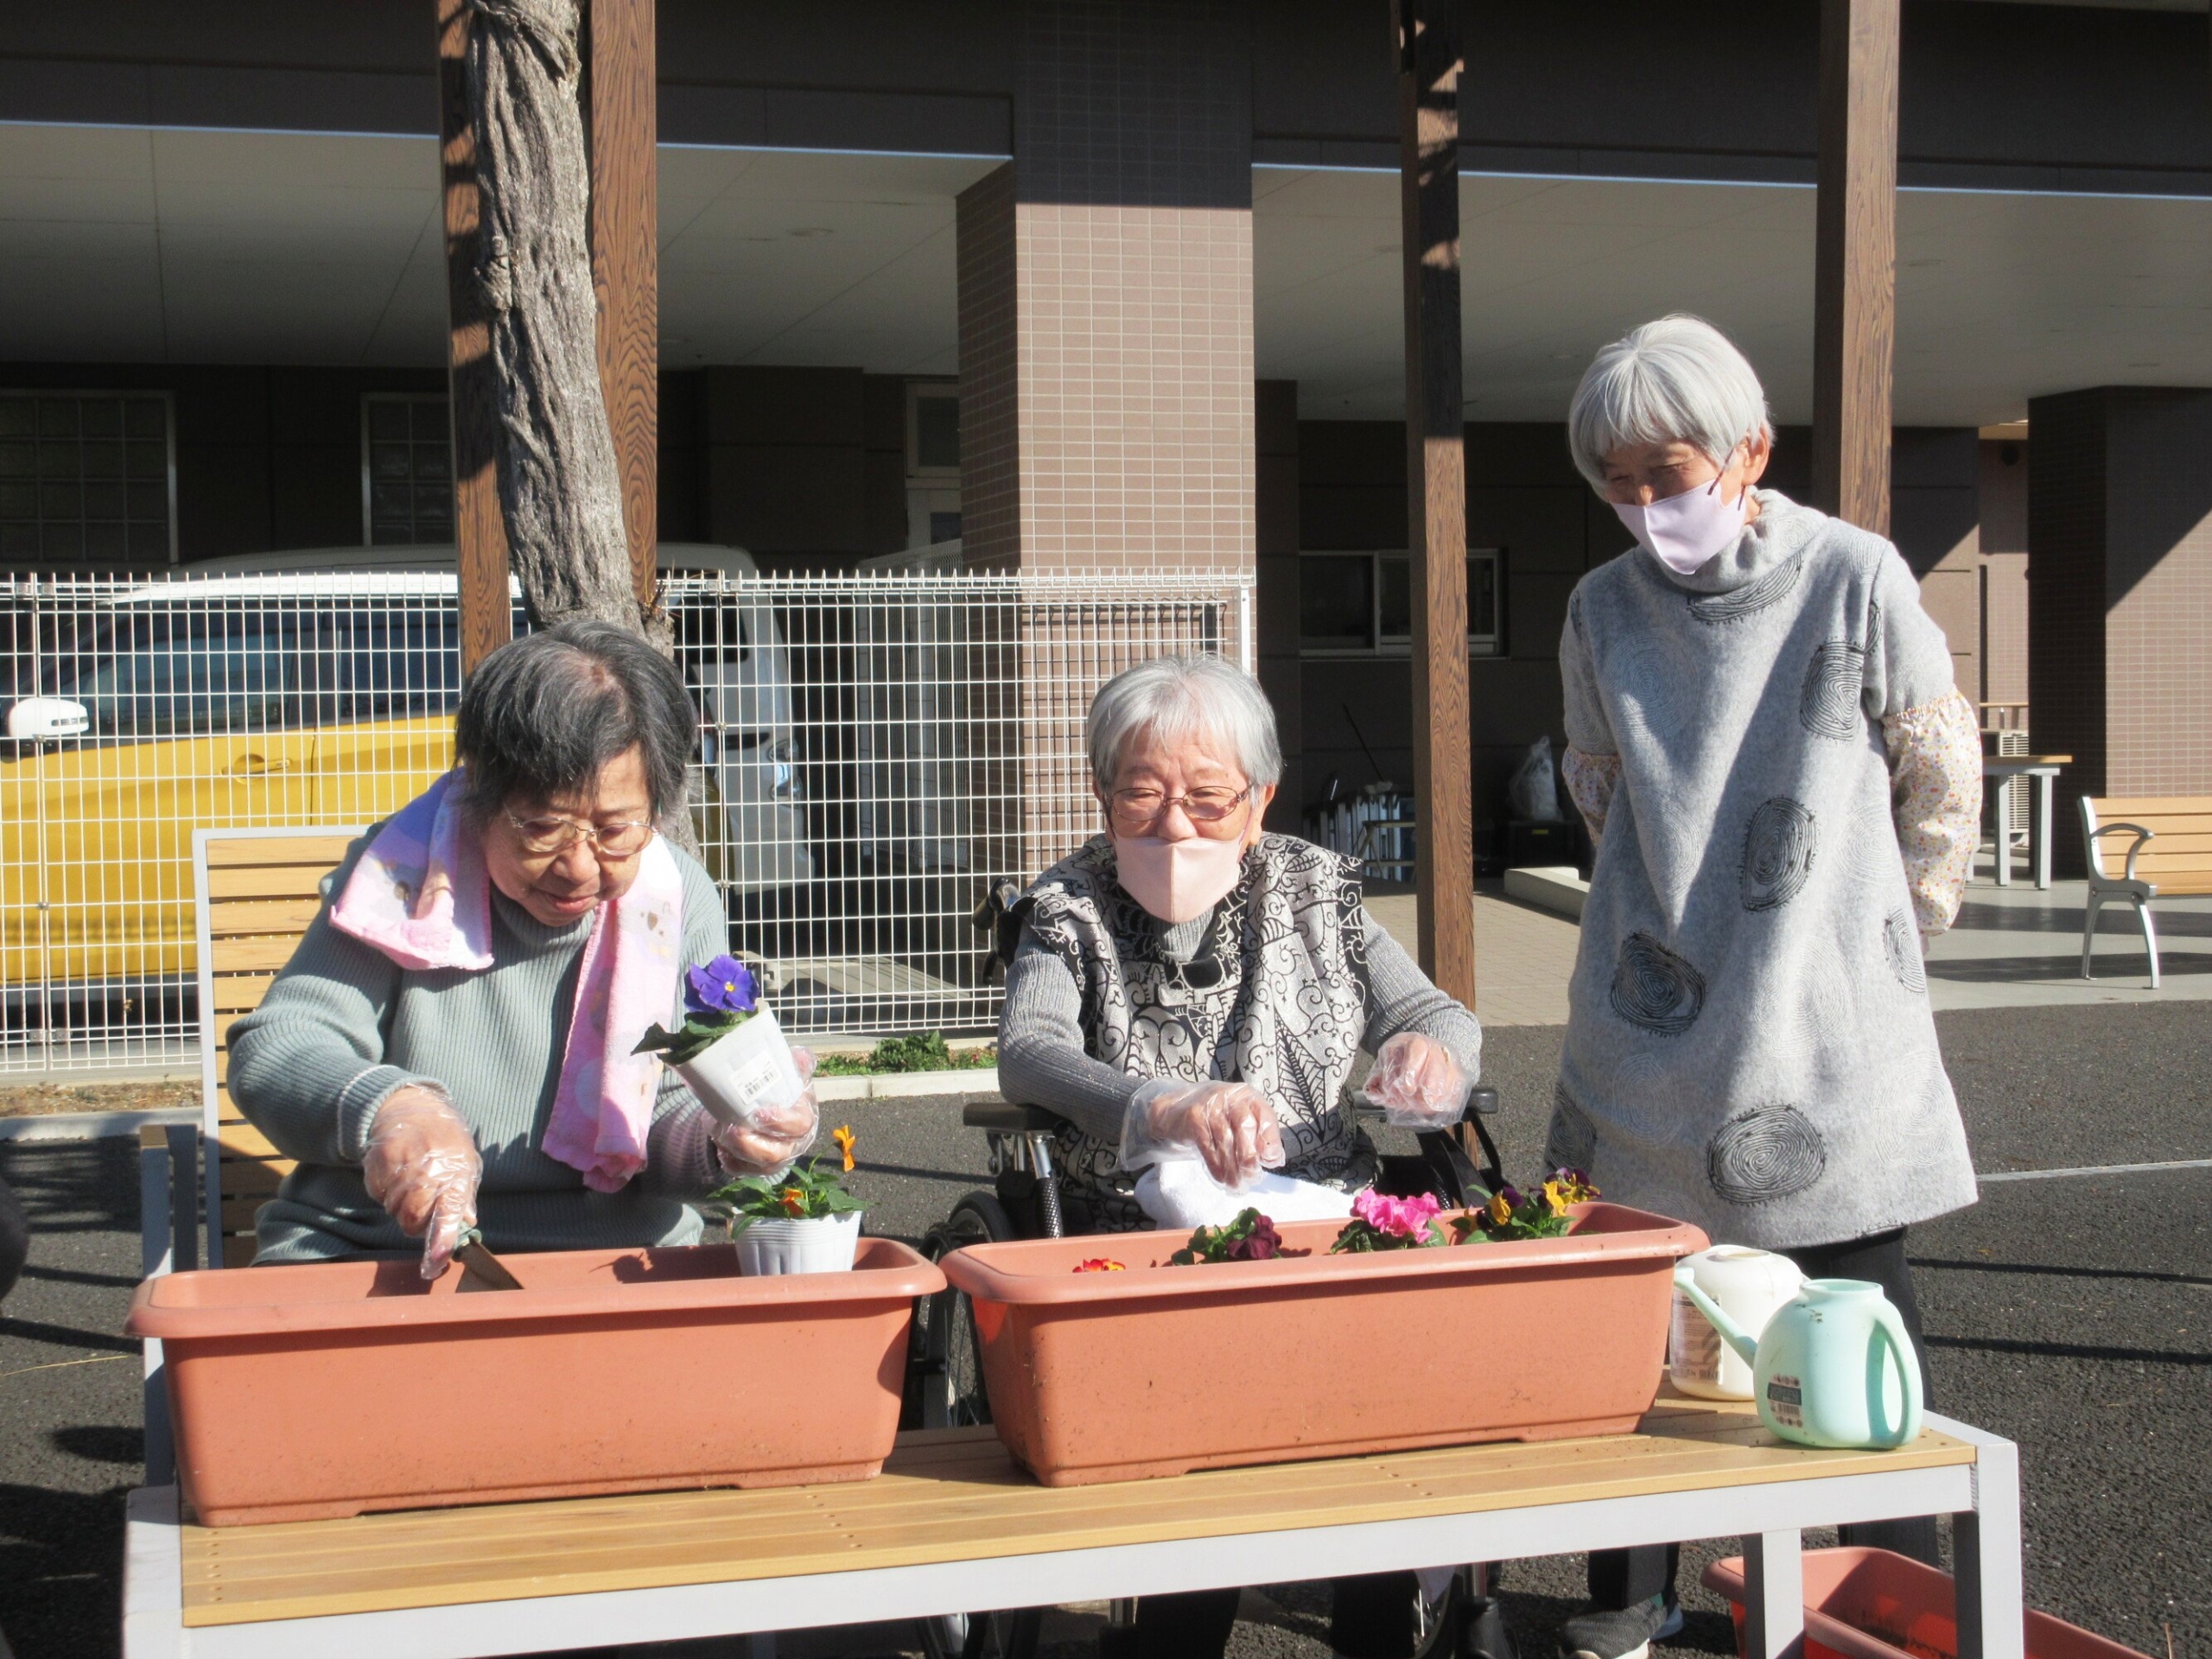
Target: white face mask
(1177, 880)
(1685, 530)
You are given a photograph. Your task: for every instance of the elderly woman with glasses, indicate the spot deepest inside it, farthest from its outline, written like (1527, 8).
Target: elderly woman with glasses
(1187, 981)
(1784, 784)
(451, 1044)
(1188, 985)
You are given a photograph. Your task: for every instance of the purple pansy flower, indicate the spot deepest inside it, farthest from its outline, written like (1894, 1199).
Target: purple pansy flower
(724, 985)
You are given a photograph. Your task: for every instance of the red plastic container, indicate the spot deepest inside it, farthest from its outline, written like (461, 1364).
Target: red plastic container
(1161, 1370)
(1871, 1603)
(304, 1392)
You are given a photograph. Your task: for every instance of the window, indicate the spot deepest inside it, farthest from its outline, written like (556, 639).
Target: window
(87, 478)
(406, 470)
(1362, 604)
(932, 462)
(224, 671)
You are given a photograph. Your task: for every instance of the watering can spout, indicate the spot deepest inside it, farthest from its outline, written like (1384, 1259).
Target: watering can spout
(1731, 1333)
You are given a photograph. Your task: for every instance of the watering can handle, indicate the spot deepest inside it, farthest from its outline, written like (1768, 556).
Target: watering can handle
(1891, 1324)
(1731, 1333)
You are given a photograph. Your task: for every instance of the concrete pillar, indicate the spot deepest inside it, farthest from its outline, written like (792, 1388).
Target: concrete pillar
(2119, 595)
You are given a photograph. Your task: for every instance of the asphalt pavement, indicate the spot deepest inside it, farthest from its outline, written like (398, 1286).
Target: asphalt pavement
(2070, 1314)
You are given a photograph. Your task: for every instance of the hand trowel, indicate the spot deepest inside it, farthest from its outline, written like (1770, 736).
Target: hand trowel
(479, 1268)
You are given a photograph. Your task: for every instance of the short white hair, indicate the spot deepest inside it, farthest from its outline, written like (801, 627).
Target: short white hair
(1678, 380)
(1173, 700)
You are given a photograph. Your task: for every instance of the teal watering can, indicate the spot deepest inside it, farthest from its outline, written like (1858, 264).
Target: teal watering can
(1834, 1367)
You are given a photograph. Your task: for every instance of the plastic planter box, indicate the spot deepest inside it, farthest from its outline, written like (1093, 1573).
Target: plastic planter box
(1160, 1369)
(1869, 1604)
(303, 1393)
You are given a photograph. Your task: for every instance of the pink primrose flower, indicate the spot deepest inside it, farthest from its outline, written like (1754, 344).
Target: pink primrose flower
(1399, 1217)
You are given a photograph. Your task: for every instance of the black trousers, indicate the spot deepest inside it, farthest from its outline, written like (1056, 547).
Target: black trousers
(15, 1238)
(1621, 1578)
(1372, 1619)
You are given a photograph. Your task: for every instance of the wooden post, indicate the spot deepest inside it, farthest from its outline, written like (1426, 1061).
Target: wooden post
(480, 533)
(625, 260)
(1854, 284)
(1436, 488)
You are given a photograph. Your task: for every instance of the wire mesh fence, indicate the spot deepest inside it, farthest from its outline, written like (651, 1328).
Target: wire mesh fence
(878, 754)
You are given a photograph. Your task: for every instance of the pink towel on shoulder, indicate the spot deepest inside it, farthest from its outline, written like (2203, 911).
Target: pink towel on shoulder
(420, 894)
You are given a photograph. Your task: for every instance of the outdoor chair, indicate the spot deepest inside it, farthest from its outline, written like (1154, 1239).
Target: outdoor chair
(2172, 855)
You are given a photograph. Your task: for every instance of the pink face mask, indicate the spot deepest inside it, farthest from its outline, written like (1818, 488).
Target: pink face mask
(1685, 530)
(1177, 880)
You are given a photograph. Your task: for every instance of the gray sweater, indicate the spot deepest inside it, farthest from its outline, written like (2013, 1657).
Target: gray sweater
(343, 1027)
(1043, 1060)
(1749, 1045)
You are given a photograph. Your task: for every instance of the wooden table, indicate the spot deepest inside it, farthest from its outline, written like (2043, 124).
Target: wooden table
(2043, 768)
(951, 1526)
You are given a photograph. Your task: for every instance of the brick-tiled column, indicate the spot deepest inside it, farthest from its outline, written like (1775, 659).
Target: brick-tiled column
(1105, 279)
(2119, 595)
(1106, 389)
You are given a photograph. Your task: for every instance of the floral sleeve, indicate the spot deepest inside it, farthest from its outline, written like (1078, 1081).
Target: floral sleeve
(1591, 779)
(1935, 791)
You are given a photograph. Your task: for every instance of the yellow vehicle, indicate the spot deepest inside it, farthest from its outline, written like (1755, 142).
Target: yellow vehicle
(288, 689)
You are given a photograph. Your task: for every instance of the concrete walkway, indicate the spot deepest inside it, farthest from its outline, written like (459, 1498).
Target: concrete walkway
(2010, 947)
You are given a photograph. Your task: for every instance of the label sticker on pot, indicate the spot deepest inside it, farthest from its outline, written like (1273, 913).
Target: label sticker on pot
(760, 1079)
(1785, 1396)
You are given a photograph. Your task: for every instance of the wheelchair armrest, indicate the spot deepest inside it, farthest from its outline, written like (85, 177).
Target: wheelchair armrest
(1008, 1118)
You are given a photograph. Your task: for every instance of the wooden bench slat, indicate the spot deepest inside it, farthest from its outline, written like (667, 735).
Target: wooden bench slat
(263, 953)
(238, 1250)
(263, 851)
(2126, 806)
(234, 917)
(283, 882)
(240, 993)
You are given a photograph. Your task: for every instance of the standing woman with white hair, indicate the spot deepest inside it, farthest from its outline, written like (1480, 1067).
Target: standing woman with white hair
(1784, 785)
(1186, 982)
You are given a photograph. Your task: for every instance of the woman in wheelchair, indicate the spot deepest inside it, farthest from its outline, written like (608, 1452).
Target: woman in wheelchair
(1185, 984)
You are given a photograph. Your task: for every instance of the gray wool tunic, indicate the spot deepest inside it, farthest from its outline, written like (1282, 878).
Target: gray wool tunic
(1749, 1045)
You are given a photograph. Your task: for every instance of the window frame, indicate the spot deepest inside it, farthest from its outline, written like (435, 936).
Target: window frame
(917, 389)
(1379, 647)
(368, 477)
(167, 400)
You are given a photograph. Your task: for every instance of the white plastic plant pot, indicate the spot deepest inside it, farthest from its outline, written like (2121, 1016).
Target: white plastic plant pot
(817, 1244)
(749, 1072)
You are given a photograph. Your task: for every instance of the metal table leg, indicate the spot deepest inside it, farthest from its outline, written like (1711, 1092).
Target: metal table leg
(1774, 1584)
(2003, 833)
(2045, 780)
(1985, 1549)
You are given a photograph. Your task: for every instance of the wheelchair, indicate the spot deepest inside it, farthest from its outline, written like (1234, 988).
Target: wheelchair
(945, 1379)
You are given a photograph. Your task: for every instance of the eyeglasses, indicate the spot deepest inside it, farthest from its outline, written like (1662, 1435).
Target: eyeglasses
(1139, 809)
(546, 836)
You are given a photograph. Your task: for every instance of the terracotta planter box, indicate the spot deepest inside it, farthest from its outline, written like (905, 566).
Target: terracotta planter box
(1161, 1370)
(302, 1393)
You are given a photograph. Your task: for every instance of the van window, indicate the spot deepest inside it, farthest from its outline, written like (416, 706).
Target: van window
(396, 664)
(169, 676)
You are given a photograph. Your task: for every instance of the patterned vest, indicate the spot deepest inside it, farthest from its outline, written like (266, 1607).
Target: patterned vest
(1276, 997)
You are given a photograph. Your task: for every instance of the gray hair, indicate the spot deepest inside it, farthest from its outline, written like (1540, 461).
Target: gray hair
(541, 716)
(1173, 699)
(1678, 380)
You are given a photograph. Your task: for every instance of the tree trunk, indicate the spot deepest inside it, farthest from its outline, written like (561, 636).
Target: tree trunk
(560, 485)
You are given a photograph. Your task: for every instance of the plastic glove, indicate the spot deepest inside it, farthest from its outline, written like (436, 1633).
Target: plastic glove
(1230, 1125)
(1417, 1083)
(775, 1137)
(423, 1167)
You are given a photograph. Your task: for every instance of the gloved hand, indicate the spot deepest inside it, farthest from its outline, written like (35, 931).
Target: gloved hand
(1418, 1083)
(1230, 1125)
(423, 1167)
(773, 1138)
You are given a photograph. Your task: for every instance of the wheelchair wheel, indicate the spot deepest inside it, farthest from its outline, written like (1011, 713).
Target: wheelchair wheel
(947, 1358)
